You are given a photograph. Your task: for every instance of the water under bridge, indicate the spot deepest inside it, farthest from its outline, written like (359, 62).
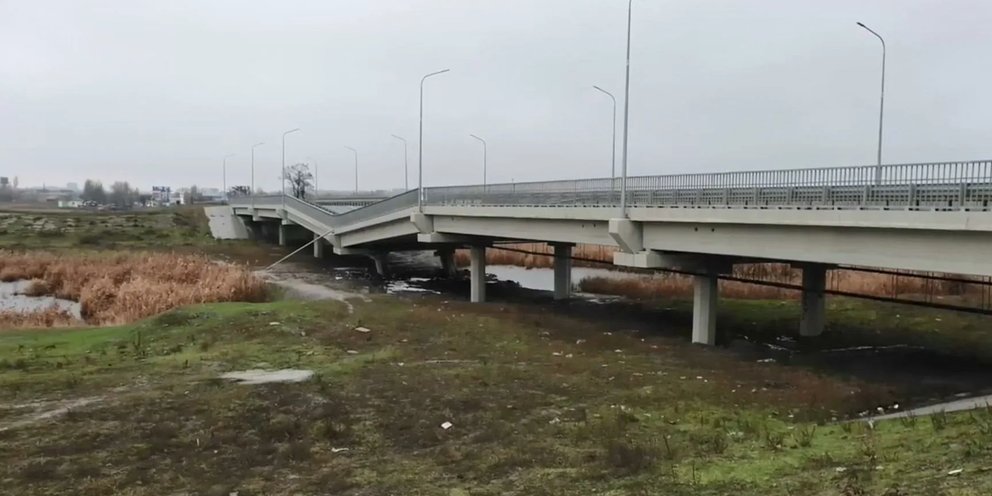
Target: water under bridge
(923, 217)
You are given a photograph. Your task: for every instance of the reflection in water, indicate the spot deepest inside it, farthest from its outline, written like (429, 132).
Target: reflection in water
(544, 279)
(11, 299)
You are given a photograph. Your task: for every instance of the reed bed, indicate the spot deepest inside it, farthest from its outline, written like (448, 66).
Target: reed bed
(50, 317)
(119, 288)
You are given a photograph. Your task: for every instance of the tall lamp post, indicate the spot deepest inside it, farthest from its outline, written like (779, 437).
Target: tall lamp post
(881, 106)
(314, 162)
(485, 152)
(356, 167)
(252, 192)
(406, 168)
(224, 173)
(626, 114)
(420, 146)
(613, 163)
(284, 165)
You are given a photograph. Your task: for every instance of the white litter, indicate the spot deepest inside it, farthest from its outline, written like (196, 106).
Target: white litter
(955, 471)
(363, 330)
(258, 376)
(339, 450)
(274, 323)
(446, 425)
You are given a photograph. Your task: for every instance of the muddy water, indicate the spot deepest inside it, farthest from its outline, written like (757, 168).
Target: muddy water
(12, 300)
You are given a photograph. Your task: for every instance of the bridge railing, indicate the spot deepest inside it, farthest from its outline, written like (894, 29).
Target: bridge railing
(399, 202)
(946, 185)
(927, 186)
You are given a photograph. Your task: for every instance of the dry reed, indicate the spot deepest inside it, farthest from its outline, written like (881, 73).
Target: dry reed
(50, 317)
(123, 287)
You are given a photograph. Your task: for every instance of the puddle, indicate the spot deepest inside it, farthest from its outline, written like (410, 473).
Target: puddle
(401, 286)
(11, 299)
(258, 376)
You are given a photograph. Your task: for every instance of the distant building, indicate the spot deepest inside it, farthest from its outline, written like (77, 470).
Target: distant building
(72, 186)
(70, 203)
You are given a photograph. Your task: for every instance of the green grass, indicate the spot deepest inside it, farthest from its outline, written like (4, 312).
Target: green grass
(59, 230)
(540, 404)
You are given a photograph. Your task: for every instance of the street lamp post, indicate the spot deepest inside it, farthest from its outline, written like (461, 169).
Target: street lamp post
(420, 146)
(406, 168)
(252, 192)
(284, 165)
(881, 106)
(224, 173)
(356, 167)
(314, 162)
(613, 163)
(485, 152)
(626, 114)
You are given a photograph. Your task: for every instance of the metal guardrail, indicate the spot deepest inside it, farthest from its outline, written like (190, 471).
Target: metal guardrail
(948, 185)
(928, 186)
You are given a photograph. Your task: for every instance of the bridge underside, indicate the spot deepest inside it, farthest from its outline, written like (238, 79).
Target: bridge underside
(705, 242)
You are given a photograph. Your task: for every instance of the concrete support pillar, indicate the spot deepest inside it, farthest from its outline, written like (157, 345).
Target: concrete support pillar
(381, 264)
(318, 246)
(704, 299)
(448, 267)
(254, 230)
(563, 271)
(283, 234)
(814, 309)
(477, 256)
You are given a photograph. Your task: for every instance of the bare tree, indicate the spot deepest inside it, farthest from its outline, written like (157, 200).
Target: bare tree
(122, 195)
(239, 191)
(299, 178)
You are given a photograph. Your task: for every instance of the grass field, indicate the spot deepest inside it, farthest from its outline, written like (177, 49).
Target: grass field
(539, 404)
(175, 227)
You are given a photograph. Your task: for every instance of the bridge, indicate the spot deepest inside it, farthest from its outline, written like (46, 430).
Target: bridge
(925, 217)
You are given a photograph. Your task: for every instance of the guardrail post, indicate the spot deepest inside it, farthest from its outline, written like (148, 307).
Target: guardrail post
(963, 196)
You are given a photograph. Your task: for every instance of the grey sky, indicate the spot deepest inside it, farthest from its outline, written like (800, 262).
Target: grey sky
(158, 92)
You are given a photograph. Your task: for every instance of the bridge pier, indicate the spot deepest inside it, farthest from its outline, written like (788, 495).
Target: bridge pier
(381, 264)
(704, 299)
(283, 234)
(254, 230)
(477, 273)
(318, 246)
(563, 270)
(814, 309)
(448, 267)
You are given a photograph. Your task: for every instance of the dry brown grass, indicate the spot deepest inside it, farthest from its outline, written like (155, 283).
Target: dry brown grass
(122, 287)
(51, 317)
(667, 284)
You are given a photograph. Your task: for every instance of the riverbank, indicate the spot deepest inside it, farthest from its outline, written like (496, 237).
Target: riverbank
(439, 397)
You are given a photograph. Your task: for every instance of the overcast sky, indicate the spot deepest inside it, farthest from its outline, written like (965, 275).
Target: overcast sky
(157, 92)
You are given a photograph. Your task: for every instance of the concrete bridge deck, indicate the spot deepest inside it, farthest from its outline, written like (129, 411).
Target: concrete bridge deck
(928, 217)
